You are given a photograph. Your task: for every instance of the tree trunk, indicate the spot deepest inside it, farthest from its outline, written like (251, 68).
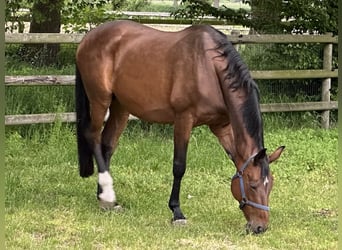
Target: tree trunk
(46, 18)
(266, 16)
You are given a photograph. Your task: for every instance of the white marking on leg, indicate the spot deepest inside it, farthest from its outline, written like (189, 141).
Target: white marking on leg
(265, 181)
(106, 183)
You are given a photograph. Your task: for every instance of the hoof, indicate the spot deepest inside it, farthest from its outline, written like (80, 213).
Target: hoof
(118, 209)
(180, 222)
(106, 206)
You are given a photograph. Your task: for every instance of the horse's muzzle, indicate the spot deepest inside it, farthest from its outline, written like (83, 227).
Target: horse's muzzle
(255, 229)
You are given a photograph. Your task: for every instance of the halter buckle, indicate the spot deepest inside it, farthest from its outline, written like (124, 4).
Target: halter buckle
(243, 203)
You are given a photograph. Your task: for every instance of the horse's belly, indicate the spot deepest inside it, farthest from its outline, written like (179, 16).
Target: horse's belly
(147, 107)
(156, 115)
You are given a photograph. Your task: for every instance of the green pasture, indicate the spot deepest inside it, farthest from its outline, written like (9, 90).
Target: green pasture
(48, 206)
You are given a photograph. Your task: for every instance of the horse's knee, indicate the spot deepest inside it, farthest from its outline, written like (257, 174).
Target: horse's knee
(178, 169)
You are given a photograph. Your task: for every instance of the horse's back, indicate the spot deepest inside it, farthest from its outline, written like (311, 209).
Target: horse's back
(154, 74)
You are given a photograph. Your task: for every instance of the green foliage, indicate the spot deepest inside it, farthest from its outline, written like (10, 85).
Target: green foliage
(13, 17)
(41, 11)
(19, 62)
(290, 56)
(42, 99)
(283, 56)
(312, 16)
(194, 9)
(80, 16)
(135, 5)
(84, 15)
(77, 16)
(159, 7)
(265, 16)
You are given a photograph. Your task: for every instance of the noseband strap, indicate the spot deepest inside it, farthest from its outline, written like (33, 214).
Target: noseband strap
(244, 201)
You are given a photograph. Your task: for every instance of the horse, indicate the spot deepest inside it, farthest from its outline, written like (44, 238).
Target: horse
(187, 78)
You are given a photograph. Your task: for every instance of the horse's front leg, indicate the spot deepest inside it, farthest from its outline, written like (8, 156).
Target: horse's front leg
(182, 130)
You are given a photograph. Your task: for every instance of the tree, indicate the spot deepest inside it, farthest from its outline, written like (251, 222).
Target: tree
(264, 20)
(46, 18)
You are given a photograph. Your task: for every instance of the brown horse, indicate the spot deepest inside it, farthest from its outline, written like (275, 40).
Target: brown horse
(189, 78)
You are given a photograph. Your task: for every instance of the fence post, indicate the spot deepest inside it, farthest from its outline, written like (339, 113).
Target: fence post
(235, 33)
(326, 84)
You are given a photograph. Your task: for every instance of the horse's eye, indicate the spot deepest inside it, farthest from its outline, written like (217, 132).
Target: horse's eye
(253, 185)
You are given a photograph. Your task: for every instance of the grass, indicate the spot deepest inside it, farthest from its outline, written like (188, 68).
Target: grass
(48, 206)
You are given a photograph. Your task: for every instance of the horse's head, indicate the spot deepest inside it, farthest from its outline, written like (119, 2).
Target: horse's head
(251, 186)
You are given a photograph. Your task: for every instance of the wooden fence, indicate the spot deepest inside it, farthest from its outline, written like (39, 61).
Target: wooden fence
(326, 73)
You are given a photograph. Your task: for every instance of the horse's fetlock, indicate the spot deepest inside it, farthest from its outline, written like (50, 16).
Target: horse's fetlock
(106, 186)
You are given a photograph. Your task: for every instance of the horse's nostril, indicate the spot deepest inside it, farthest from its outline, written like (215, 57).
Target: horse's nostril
(260, 229)
(255, 229)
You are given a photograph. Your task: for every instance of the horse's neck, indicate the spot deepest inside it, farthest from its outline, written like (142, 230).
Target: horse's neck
(245, 144)
(241, 100)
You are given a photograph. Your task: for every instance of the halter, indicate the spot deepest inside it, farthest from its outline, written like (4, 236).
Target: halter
(244, 201)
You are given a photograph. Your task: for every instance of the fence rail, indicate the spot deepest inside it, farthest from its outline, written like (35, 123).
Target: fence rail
(71, 116)
(265, 75)
(236, 39)
(326, 73)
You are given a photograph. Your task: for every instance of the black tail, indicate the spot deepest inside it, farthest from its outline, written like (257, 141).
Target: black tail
(85, 153)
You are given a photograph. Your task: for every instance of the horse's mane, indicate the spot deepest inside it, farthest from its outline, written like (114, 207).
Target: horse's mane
(236, 70)
(237, 73)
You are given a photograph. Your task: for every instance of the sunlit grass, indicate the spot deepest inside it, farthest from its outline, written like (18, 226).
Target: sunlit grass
(49, 206)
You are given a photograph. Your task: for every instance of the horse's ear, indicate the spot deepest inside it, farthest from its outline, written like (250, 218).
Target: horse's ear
(276, 154)
(261, 155)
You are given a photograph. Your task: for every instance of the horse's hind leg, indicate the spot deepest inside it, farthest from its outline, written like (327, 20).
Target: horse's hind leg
(114, 126)
(98, 109)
